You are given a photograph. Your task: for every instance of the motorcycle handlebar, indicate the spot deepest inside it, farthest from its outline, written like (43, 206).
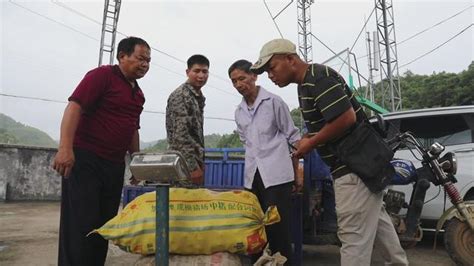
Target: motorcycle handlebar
(394, 140)
(406, 137)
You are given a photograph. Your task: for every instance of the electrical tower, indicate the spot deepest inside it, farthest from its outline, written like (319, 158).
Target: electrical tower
(109, 30)
(389, 88)
(304, 29)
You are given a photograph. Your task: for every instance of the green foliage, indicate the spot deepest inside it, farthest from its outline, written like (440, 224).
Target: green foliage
(230, 141)
(161, 145)
(436, 90)
(210, 141)
(7, 138)
(297, 118)
(12, 132)
(144, 145)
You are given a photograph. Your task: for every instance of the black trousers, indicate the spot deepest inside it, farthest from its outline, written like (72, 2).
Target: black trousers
(278, 234)
(89, 198)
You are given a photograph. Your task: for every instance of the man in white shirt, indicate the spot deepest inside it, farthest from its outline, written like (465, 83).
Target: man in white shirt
(266, 129)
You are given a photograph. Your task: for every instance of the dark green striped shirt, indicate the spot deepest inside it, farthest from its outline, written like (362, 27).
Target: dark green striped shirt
(323, 96)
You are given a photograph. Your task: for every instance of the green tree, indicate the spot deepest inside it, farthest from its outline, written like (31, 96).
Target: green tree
(161, 145)
(230, 141)
(436, 90)
(212, 141)
(297, 118)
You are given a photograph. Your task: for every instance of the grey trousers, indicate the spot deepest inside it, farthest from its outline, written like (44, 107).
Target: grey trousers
(363, 223)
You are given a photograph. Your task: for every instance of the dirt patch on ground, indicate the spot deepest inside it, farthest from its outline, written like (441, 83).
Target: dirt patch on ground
(28, 233)
(29, 236)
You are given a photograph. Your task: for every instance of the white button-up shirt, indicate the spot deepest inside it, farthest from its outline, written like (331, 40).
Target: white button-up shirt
(265, 130)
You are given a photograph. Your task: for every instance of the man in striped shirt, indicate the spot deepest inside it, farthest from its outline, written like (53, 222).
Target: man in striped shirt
(330, 110)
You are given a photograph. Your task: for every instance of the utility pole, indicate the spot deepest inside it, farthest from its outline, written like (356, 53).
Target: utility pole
(390, 83)
(109, 31)
(304, 30)
(369, 93)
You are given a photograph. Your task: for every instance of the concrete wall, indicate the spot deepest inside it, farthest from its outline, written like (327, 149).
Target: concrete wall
(26, 173)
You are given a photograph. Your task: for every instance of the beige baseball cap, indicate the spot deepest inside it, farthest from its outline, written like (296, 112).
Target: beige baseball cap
(271, 48)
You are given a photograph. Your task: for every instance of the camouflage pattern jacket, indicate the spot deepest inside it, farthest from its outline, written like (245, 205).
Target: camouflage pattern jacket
(184, 124)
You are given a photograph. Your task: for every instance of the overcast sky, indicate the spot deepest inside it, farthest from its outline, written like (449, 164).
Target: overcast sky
(48, 46)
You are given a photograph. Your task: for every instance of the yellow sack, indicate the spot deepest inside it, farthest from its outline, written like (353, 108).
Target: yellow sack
(201, 221)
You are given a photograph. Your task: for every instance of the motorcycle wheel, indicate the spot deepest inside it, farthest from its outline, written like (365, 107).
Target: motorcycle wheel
(459, 242)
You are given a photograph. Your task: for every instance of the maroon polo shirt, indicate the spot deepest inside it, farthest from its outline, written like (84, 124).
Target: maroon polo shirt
(111, 111)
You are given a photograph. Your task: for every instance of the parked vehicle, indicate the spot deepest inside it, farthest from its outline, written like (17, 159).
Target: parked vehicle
(452, 127)
(439, 169)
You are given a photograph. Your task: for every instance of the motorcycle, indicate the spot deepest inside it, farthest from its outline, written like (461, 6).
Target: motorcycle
(439, 170)
(436, 169)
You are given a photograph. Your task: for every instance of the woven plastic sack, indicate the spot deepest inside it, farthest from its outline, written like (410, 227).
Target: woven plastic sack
(201, 221)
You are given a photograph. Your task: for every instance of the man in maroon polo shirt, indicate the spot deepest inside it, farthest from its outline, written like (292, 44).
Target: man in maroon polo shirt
(100, 124)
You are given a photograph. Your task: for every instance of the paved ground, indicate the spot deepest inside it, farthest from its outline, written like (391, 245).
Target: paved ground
(29, 232)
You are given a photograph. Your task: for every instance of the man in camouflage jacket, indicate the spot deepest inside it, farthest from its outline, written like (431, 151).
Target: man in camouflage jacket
(185, 117)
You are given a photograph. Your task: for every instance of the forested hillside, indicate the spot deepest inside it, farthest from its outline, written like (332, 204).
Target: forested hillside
(12, 132)
(438, 89)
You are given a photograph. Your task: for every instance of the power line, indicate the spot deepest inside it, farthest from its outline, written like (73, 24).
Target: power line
(63, 102)
(206, 117)
(361, 30)
(70, 9)
(420, 32)
(60, 4)
(55, 21)
(435, 25)
(219, 118)
(274, 17)
(31, 98)
(93, 38)
(125, 35)
(56, 2)
(276, 25)
(345, 62)
(437, 47)
(182, 75)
